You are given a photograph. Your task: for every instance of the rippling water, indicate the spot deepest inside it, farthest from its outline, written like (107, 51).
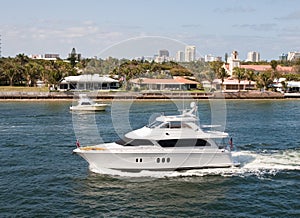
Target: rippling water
(41, 177)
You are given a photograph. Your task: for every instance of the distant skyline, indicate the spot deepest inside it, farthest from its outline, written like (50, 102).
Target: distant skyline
(99, 28)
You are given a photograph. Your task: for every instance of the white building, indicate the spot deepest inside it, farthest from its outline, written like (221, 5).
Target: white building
(229, 85)
(253, 56)
(293, 56)
(48, 57)
(88, 82)
(176, 83)
(190, 53)
(233, 62)
(179, 56)
(211, 58)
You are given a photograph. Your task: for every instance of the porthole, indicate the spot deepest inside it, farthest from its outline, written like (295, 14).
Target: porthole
(163, 160)
(141, 160)
(136, 160)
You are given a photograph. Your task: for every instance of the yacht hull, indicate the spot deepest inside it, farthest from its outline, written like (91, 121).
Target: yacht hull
(89, 108)
(166, 160)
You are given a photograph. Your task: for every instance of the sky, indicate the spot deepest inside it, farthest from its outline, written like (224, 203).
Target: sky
(134, 28)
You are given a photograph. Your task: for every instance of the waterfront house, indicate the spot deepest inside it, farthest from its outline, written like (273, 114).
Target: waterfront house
(229, 85)
(259, 68)
(88, 82)
(176, 83)
(290, 86)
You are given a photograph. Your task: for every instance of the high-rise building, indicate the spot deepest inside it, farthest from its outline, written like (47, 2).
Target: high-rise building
(293, 56)
(163, 53)
(179, 56)
(190, 53)
(283, 57)
(253, 56)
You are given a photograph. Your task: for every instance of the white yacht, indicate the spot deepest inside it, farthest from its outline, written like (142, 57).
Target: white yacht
(169, 143)
(87, 104)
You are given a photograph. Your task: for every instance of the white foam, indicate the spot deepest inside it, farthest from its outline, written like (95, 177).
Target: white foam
(277, 160)
(252, 163)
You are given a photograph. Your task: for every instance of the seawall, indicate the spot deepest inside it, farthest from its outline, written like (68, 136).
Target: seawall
(140, 95)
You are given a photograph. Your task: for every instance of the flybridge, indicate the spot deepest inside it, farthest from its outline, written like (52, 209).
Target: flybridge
(187, 119)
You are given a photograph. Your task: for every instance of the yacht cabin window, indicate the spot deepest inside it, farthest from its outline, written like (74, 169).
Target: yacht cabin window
(85, 103)
(183, 143)
(175, 124)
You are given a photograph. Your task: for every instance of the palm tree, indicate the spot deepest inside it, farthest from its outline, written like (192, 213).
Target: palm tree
(22, 59)
(210, 76)
(274, 65)
(10, 70)
(265, 79)
(284, 86)
(239, 74)
(250, 76)
(43, 73)
(206, 74)
(216, 66)
(222, 74)
(219, 70)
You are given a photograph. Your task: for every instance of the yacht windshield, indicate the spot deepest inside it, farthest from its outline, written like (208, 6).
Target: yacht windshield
(155, 124)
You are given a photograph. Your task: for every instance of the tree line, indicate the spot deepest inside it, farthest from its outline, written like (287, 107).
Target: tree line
(24, 71)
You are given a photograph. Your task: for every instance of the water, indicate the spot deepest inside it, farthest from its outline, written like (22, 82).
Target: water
(39, 176)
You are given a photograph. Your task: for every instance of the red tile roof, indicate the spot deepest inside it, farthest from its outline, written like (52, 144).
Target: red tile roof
(184, 80)
(268, 67)
(176, 80)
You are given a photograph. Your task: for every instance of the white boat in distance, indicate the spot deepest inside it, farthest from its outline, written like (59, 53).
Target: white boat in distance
(87, 104)
(169, 143)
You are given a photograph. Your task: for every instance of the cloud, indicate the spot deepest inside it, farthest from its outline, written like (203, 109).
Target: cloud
(191, 25)
(48, 32)
(292, 16)
(257, 27)
(39, 38)
(294, 30)
(234, 10)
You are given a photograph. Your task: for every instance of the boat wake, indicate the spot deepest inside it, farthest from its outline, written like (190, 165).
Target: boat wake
(254, 164)
(258, 164)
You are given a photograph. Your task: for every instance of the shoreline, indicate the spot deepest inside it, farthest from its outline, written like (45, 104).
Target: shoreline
(141, 96)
